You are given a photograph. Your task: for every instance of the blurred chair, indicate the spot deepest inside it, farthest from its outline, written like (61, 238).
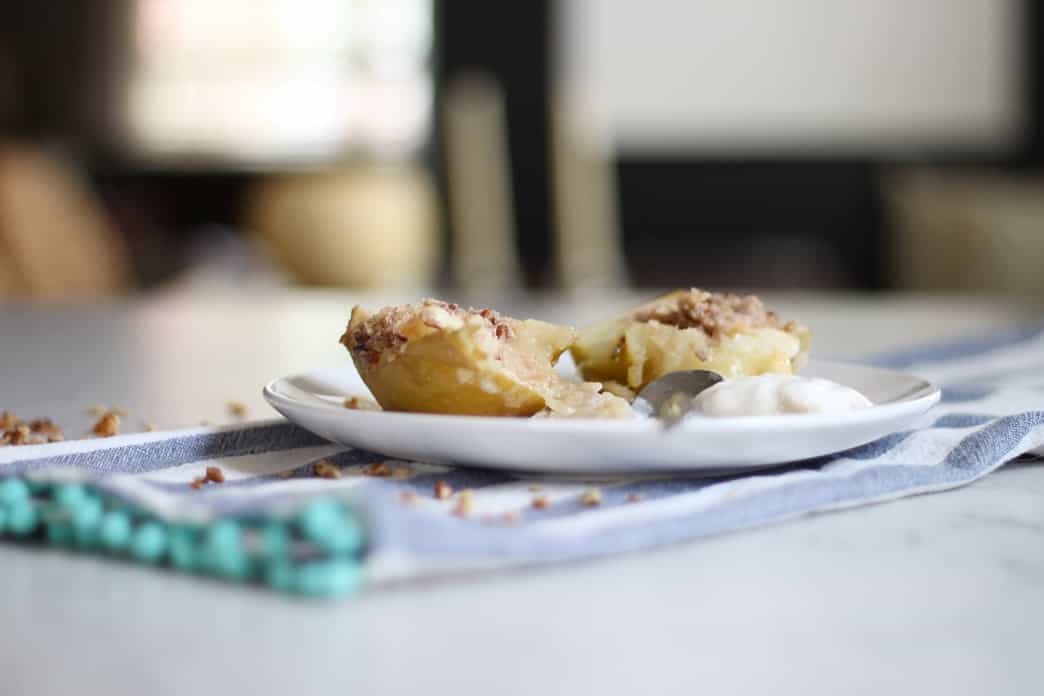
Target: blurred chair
(360, 226)
(56, 243)
(966, 231)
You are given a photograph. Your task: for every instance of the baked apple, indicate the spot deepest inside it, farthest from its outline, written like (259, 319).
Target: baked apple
(686, 330)
(436, 357)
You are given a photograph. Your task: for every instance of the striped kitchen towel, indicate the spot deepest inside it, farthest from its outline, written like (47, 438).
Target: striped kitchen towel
(303, 515)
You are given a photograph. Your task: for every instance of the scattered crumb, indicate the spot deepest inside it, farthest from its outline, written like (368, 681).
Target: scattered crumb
(408, 497)
(326, 469)
(442, 490)
(20, 435)
(108, 425)
(206, 423)
(39, 431)
(379, 469)
(511, 517)
(361, 403)
(633, 498)
(9, 420)
(147, 426)
(238, 409)
(402, 472)
(465, 503)
(541, 502)
(215, 474)
(97, 410)
(119, 411)
(592, 497)
(286, 474)
(198, 482)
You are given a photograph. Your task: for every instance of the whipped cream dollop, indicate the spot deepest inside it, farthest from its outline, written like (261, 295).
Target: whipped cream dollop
(775, 394)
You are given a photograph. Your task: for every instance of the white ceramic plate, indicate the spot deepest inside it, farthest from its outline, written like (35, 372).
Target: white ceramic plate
(699, 445)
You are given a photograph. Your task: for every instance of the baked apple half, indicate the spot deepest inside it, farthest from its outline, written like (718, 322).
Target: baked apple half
(436, 357)
(686, 330)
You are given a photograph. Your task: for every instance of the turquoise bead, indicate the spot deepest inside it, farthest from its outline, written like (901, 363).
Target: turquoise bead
(279, 575)
(326, 524)
(60, 533)
(13, 490)
(348, 538)
(115, 530)
(222, 552)
(318, 518)
(183, 553)
(85, 519)
(37, 486)
(22, 518)
(327, 578)
(275, 540)
(149, 542)
(69, 495)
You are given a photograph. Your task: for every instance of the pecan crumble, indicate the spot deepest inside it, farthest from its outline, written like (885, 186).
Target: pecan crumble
(714, 313)
(386, 330)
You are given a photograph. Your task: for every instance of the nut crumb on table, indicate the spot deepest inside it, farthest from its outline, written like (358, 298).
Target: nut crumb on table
(326, 469)
(634, 498)
(38, 431)
(541, 502)
(465, 503)
(215, 474)
(108, 425)
(379, 469)
(442, 490)
(592, 497)
(238, 409)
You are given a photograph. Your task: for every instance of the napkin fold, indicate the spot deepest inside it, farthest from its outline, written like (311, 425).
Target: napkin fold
(299, 514)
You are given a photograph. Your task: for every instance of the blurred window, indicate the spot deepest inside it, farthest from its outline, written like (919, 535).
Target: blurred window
(259, 81)
(803, 75)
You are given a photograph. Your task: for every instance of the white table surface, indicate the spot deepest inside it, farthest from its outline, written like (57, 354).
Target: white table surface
(932, 594)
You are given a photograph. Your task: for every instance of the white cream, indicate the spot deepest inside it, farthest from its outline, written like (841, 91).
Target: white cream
(772, 394)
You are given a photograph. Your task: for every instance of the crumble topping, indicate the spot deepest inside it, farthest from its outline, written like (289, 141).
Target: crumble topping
(442, 490)
(714, 313)
(387, 329)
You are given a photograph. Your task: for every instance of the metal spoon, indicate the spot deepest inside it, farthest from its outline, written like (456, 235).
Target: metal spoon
(670, 397)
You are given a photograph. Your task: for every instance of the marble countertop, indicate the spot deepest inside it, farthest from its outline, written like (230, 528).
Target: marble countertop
(932, 594)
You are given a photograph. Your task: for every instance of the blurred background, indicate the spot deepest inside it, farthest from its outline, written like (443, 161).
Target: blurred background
(570, 144)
